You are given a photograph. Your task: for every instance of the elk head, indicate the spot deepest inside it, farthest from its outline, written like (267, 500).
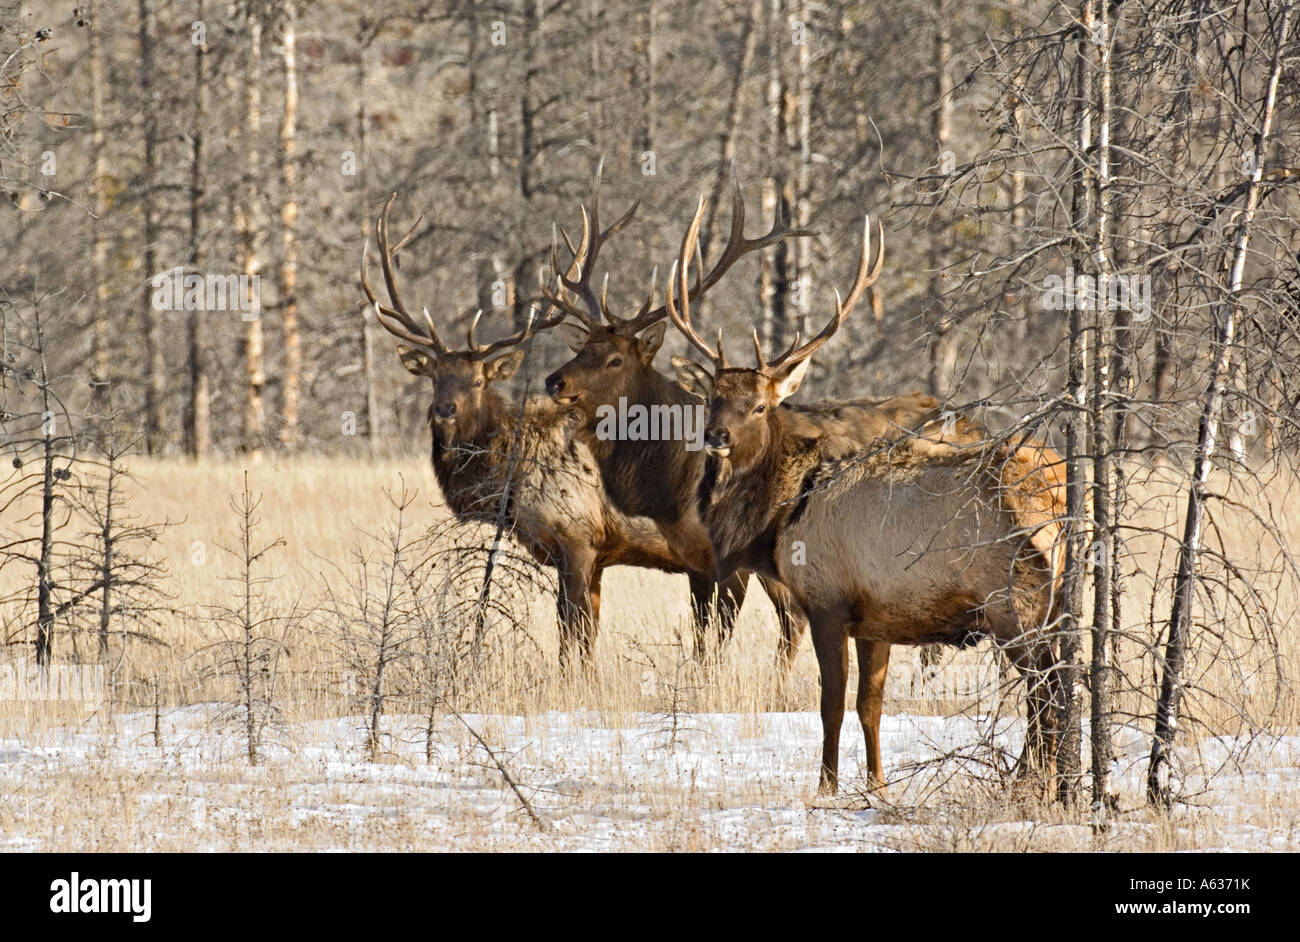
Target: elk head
(614, 352)
(743, 402)
(461, 378)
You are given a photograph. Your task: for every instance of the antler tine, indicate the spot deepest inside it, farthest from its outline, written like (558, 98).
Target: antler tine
(865, 277)
(401, 333)
(410, 331)
(386, 265)
(531, 326)
(682, 317)
(584, 258)
(649, 298)
(469, 334)
(604, 293)
(737, 247)
(599, 237)
(586, 255)
(555, 298)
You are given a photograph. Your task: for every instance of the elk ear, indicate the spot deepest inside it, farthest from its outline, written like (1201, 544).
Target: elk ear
(573, 335)
(504, 366)
(694, 378)
(787, 380)
(648, 343)
(416, 361)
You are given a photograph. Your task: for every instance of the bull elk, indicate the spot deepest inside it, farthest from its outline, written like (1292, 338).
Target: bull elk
(484, 447)
(655, 478)
(910, 541)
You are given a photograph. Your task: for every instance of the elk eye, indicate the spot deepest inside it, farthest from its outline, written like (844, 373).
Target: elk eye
(478, 383)
(760, 408)
(615, 363)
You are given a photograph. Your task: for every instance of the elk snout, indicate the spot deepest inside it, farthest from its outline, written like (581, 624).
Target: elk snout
(445, 410)
(556, 389)
(717, 440)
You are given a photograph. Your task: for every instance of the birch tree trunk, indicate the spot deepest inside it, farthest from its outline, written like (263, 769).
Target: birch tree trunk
(155, 367)
(1103, 444)
(649, 71)
(803, 166)
(772, 277)
(735, 114)
(942, 351)
(365, 35)
(1069, 759)
(254, 426)
(288, 234)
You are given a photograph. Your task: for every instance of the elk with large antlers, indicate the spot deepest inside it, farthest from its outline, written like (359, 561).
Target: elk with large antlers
(914, 540)
(655, 478)
(484, 446)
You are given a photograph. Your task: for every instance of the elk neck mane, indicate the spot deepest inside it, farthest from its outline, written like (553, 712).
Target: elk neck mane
(656, 478)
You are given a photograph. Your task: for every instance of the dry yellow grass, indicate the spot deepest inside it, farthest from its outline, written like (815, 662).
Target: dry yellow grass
(322, 507)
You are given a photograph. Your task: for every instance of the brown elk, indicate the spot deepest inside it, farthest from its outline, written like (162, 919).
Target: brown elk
(913, 541)
(484, 448)
(655, 478)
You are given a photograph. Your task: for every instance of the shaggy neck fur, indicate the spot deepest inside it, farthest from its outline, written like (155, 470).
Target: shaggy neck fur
(744, 510)
(471, 468)
(655, 479)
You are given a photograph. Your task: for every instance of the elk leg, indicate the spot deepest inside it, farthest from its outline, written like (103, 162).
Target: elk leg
(701, 593)
(575, 614)
(731, 597)
(831, 644)
(705, 592)
(1037, 665)
(792, 623)
(594, 592)
(873, 667)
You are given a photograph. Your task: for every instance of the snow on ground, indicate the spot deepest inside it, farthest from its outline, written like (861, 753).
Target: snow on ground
(601, 782)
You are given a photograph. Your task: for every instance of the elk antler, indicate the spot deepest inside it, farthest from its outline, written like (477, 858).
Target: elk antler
(406, 327)
(737, 247)
(682, 317)
(424, 336)
(584, 261)
(866, 277)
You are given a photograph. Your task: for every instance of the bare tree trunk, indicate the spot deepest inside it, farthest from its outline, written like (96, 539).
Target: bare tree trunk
(1103, 445)
(649, 70)
(100, 320)
(803, 169)
(595, 87)
(289, 235)
(155, 367)
(942, 349)
(727, 139)
(106, 562)
(1069, 759)
(365, 35)
(1180, 617)
(772, 278)
(254, 428)
(45, 560)
(198, 429)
